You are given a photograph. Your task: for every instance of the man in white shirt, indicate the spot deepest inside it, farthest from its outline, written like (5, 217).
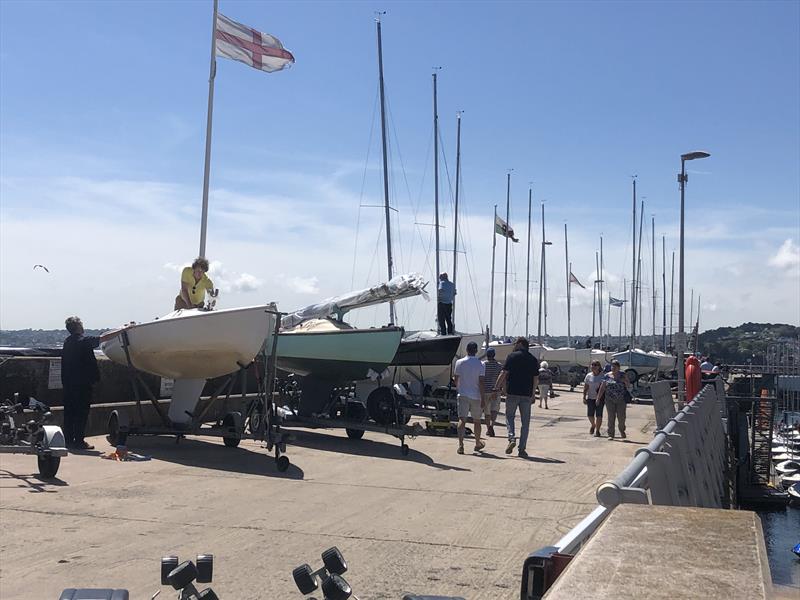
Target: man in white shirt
(469, 374)
(706, 366)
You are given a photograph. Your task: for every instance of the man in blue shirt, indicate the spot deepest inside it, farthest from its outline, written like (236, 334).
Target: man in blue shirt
(446, 295)
(79, 373)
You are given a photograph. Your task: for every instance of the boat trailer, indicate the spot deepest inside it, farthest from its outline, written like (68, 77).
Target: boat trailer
(21, 434)
(260, 421)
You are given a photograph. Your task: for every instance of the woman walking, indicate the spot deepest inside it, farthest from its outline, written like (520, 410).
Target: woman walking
(612, 392)
(594, 406)
(545, 382)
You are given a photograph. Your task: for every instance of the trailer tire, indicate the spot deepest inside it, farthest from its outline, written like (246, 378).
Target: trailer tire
(354, 434)
(113, 429)
(381, 406)
(282, 463)
(632, 375)
(230, 441)
(48, 465)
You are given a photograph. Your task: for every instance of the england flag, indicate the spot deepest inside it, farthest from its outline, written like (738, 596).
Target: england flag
(259, 50)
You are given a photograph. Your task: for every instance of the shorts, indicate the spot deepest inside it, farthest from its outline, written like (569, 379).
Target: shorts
(491, 402)
(594, 408)
(468, 405)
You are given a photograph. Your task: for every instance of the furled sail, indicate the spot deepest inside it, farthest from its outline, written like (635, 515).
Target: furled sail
(397, 288)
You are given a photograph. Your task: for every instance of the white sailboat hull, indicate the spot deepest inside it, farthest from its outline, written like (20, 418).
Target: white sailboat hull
(194, 344)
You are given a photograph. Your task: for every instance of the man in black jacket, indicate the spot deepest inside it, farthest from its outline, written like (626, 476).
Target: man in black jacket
(79, 373)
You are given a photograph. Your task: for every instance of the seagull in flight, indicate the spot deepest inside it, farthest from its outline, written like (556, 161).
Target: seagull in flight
(42, 266)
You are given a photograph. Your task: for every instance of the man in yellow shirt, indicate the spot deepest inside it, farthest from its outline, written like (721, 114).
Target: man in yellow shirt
(194, 283)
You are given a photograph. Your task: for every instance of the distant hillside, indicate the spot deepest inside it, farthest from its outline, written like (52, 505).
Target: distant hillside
(38, 338)
(749, 341)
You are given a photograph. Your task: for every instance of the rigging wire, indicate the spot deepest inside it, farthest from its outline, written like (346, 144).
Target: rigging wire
(363, 184)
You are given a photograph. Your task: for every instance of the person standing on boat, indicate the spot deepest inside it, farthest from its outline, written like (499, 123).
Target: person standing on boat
(519, 378)
(612, 392)
(446, 295)
(469, 374)
(79, 373)
(194, 283)
(594, 405)
(491, 398)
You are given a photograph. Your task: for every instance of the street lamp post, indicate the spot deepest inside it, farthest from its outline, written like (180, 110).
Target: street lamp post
(681, 336)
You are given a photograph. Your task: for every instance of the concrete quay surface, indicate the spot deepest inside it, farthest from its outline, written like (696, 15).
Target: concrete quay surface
(433, 522)
(687, 553)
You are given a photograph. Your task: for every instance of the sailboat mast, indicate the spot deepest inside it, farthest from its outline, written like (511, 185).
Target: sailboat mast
(455, 218)
(623, 314)
(491, 299)
(210, 111)
(569, 286)
(664, 293)
(436, 170)
(387, 209)
(633, 271)
(541, 280)
(505, 271)
(600, 291)
(528, 268)
(596, 285)
(672, 298)
(639, 311)
(653, 276)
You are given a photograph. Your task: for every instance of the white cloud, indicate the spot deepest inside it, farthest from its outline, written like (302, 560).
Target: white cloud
(299, 285)
(787, 257)
(230, 281)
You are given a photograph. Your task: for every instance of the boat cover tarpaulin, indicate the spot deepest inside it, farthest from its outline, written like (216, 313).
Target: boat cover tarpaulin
(401, 286)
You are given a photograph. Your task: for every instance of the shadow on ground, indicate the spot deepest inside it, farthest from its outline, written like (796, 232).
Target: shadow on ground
(318, 440)
(35, 482)
(193, 452)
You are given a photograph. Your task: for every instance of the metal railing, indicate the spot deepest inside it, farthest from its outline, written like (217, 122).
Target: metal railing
(684, 465)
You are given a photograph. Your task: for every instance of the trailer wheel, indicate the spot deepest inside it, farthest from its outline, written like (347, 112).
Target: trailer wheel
(48, 465)
(282, 463)
(113, 436)
(381, 406)
(230, 441)
(632, 375)
(354, 434)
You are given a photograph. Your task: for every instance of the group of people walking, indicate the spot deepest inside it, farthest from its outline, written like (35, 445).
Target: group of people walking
(480, 384)
(606, 390)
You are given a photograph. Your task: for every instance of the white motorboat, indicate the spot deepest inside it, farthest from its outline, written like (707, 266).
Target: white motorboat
(585, 356)
(666, 362)
(562, 357)
(787, 467)
(637, 361)
(781, 457)
(788, 480)
(193, 343)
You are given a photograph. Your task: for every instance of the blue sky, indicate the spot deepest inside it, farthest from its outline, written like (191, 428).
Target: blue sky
(102, 124)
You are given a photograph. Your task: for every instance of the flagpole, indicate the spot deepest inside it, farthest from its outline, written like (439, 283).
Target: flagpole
(491, 298)
(639, 311)
(653, 275)
(594, 296)
(207, 166)
(569, 286)
(528, 268)
(505, 274)
(623, 314)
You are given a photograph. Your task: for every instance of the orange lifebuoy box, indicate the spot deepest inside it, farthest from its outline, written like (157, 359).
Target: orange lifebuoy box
(693, 377)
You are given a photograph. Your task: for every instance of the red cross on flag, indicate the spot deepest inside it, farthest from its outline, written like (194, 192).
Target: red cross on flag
(254, 48)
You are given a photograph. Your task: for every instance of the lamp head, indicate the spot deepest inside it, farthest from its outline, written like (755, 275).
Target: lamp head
(695, 155)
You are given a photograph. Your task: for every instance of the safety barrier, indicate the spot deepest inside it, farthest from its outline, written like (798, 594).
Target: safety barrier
(684, 465)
